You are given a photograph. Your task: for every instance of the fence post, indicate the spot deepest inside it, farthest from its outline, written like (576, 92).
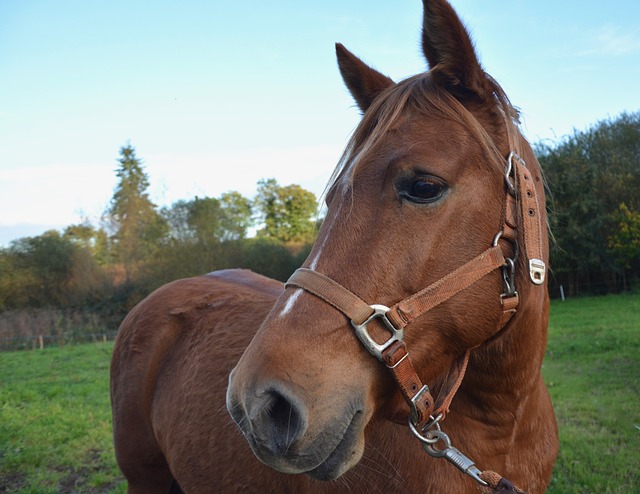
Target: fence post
(41, 340)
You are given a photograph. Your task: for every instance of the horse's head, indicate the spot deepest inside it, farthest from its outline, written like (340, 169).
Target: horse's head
(420, 191)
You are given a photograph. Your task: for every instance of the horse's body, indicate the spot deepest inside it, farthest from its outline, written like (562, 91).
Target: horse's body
(421, 193)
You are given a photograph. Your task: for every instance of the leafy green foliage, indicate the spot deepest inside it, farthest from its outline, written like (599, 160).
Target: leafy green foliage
(625, 238)
(236, 219)
(207, 219)
(49, 270)
(288, 213)
(590, 175)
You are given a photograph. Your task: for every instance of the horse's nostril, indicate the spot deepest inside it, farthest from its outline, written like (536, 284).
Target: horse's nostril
(285, 422)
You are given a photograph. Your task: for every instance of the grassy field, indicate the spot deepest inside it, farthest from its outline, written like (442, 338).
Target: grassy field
(55, 434)
(55, 421)
(592, 370)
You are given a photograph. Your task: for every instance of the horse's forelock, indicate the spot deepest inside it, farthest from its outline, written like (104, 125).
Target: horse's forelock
(422, 96)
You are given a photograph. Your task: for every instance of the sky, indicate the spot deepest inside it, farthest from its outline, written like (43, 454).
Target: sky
(216, 95)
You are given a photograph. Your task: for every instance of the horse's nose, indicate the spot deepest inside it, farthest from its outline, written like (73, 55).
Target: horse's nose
(274, 418)
(281, 421)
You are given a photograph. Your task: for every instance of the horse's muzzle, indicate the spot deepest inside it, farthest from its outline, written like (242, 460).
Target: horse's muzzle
(275, 423)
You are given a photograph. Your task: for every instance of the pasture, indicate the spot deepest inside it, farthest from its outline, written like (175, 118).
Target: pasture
(55, 429)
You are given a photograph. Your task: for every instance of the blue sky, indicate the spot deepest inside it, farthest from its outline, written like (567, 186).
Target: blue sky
(216, 95)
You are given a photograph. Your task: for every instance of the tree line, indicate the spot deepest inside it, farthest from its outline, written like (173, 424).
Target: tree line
(593, 177)
(138, 246)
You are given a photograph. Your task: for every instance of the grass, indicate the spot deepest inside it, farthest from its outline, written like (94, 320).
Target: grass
(55, 421)
(592, 370)
(55, 424)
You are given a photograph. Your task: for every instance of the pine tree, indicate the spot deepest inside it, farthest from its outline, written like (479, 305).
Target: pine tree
(134, 220)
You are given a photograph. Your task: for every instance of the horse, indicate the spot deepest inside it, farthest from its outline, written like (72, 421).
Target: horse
(404, 355)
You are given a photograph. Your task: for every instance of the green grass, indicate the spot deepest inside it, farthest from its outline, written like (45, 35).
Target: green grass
(592, 370)
(55, 421)
(55, 424)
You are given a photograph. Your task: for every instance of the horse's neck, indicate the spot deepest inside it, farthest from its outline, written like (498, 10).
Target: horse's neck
(503, 373)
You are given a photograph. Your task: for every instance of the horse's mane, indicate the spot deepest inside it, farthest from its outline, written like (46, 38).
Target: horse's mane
(421, 95)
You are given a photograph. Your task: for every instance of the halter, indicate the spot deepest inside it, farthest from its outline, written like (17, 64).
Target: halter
(521, 206)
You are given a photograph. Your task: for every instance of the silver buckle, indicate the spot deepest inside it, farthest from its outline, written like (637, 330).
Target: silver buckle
(537, 271)
(374, 348)
(414, 407)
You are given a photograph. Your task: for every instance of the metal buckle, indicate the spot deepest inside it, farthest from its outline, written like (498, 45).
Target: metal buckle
(420, 434)
(376, 349)
(416, 398)
(537, 270)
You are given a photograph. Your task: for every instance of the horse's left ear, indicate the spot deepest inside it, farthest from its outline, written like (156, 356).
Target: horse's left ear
(450, 52)
(363, 82)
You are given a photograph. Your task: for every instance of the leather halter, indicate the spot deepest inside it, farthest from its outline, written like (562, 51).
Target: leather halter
(425, 411)
(393, 352)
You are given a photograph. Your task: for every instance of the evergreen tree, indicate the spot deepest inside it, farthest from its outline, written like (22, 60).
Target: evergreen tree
(136, 225)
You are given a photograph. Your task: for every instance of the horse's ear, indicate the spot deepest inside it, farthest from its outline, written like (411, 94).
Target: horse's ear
(363, 82)
(450, 52)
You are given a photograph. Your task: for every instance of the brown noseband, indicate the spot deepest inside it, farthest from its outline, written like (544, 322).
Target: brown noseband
(423, 420)
(393, 352)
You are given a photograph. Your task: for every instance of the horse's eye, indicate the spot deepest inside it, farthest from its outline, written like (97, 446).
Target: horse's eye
(424, 190)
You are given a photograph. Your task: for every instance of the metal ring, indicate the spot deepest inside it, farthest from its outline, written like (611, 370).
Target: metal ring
(430, 446)
(421, 438)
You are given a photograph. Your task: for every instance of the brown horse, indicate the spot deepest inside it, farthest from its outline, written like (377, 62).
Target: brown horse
(431, 212)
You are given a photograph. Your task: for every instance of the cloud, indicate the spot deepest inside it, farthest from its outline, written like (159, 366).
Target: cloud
(54, 194)
(184, 176)
(65, 194)
(614, 41)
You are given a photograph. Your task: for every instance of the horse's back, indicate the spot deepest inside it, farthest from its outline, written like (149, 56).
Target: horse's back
(192, 309)
(170, 366)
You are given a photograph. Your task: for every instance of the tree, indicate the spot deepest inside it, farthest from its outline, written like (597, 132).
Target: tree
(236, 217)
(45, 262)
(288, 213)
(50, 270)
(136, 224)
(591, 173)
(82, 234)
(625, 239)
